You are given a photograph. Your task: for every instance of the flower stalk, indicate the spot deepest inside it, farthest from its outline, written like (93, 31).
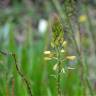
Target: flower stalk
(58, 44)
(18, 70)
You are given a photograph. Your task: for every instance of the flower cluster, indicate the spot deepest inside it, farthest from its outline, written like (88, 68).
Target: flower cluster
(59, 45)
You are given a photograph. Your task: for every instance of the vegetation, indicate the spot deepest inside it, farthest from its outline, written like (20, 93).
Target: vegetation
(58, 61)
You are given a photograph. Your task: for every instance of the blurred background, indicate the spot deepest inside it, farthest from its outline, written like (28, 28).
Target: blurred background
(25, 30)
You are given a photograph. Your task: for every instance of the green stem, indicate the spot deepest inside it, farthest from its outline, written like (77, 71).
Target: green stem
(18, 70)
(91, 28)
(72, 32)
(58, 7)
(89, 86)
(82, 60)
(79, 49)
(58, 73)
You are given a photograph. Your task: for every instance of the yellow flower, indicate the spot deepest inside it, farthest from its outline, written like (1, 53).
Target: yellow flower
(55, 67)
(71, 57)
(82, 18)
(62, 51)
(71, 68)
(63, 70)
(64, 44)
(47, 58)
(47, 52)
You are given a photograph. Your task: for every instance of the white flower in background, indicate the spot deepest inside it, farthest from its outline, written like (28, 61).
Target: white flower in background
(6, 30)
(42, 26)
